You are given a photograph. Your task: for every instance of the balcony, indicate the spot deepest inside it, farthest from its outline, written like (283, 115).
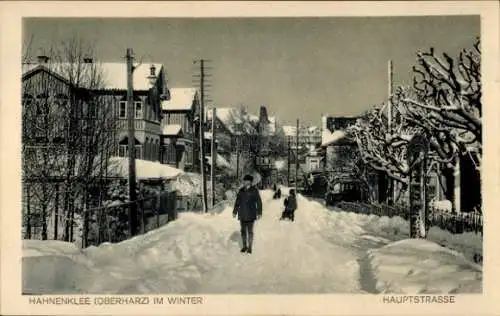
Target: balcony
(140, 125)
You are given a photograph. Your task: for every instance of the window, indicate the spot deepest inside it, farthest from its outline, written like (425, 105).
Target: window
(138, 153)
(61, 99)
(146, 149)
(27, 99)
(122, 110)
(122, 151)
(156, 150)
(170, 153)
(138, 110)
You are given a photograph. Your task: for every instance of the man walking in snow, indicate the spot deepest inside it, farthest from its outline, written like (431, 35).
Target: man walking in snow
(248, 208)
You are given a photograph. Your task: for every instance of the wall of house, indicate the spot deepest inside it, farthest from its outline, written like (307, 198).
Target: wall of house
(147, 127)
(184, 155)
(313, 163)
(338, 156)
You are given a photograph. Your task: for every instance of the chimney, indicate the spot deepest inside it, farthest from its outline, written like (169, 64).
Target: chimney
(88, 60)
(152, 75)
(263, 115)
(323, 123)
(43, 59)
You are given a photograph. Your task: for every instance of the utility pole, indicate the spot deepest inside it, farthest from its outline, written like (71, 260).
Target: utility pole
(389, 92)
(297, 157)
(288, 164)
(214, 156)
(392, 183)
(237, 158)
(132, 213)
(202, 136)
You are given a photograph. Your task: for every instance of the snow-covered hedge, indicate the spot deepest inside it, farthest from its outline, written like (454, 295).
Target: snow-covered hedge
(396, 228)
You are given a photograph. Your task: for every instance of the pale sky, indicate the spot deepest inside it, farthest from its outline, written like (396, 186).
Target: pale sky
(297, 67)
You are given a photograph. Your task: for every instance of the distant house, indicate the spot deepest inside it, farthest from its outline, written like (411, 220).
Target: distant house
(179, 129)
(314, 161)
(308, 136)
(233, 130)
(335, 141)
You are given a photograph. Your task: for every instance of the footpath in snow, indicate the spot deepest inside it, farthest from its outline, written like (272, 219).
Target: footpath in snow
(323, 251)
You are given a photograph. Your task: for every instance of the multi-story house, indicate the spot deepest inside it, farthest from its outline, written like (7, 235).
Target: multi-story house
(149, 86)
(75, 117)
(149, 89)
(180, 129)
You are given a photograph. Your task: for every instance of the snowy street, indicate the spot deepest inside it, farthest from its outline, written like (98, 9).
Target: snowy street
(323, 251)
(308, 255)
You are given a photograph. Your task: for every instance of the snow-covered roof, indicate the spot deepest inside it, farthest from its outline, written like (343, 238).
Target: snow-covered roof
(181, 99)
(171, 129)
(253, 118)
(114, 75)
(221, 162)
(208, 135)
(272, 124)
(231, 118)
(328, 138)
(289, 130)
(118, 166)
(280, 164)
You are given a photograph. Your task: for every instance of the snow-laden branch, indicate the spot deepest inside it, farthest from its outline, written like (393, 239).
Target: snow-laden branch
(445, 100)
(378, 148)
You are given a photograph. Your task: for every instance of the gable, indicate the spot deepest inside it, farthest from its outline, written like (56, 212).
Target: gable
(181, 99)
(37, 73)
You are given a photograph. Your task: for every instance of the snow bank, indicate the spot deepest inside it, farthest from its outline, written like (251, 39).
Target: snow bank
(187, 184)
(199, 253)
(416, 266)
(53, 267)
(170, 259)
(118, 166)
(441, 205)
(396, 228)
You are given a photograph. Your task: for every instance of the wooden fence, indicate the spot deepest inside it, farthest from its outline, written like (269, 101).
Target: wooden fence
(110, 223)
(454, 223)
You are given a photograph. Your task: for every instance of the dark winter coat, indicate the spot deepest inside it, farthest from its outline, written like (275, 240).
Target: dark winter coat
(290, 203)
(248, 204)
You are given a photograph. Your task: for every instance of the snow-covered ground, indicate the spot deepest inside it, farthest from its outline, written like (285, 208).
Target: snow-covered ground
(323, 251)
(421, 266)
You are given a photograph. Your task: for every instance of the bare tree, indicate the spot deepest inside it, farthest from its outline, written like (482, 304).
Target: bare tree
(42, 137)
(76, 122)
(445, 101)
